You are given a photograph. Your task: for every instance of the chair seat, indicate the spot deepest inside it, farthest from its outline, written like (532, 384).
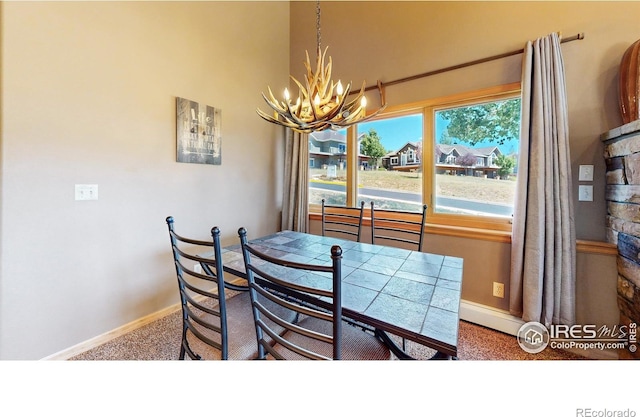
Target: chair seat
(356, 343)
(241, 332)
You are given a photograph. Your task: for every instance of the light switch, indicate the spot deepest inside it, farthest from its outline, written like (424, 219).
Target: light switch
(585, 193)
(585, 173)
(86, 192)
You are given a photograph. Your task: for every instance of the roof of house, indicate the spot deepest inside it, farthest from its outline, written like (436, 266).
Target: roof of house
(463, 150)
(394, 153)
(328, 135)
(331, 135)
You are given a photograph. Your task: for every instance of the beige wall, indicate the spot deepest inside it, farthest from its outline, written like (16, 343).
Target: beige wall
(390, 40)
(88, 96)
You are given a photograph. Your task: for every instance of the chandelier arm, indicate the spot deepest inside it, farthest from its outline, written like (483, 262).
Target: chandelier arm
(294, 118)
(327, 68)
(302, 89)
(358, 98)
(284, 113)
(327, 96)
(271, 119)
(300, 104)
(325, 76)
(273, 105)
(285, 122)
(271, 96)
(316, 80)
(297, 109)
(364, 119)
(312, 105)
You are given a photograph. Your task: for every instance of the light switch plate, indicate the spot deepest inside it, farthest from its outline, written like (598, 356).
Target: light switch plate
(585, 173)
(585, 193)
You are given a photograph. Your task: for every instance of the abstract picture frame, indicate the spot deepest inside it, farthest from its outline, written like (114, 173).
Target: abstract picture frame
(198, 133)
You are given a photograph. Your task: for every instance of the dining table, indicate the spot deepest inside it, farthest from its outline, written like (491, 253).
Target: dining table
(390, 290)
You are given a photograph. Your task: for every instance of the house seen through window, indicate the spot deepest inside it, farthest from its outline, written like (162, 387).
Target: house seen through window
(458, 155)
(327, 167)
(392, 178)
(475, 158)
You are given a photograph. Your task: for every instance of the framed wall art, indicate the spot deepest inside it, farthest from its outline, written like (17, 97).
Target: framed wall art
(198, 133)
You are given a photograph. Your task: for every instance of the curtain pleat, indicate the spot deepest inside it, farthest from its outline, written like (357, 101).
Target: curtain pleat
(295, 201)
(542, 286)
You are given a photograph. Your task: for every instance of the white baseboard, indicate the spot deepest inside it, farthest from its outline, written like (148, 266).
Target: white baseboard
(105, 337)
(501, 320)
(482, 315)
(490, 317)
(136, 324)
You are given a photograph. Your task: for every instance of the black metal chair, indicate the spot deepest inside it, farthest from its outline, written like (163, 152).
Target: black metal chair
(213, 327)
(320, 332)
(398, 226)
(343, 220)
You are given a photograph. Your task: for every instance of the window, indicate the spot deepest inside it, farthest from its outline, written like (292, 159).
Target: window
(327, 173)
(393, 178)
(456, 154)
(485, 134)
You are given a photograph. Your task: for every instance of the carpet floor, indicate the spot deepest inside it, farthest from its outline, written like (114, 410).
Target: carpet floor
(160, 340)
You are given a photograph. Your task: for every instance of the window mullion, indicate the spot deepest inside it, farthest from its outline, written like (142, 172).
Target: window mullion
(428, 159)
(352, 166)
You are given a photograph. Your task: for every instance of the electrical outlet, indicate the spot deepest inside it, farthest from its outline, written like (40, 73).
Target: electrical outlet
(86, 192)
(197, 268)
(498, 289)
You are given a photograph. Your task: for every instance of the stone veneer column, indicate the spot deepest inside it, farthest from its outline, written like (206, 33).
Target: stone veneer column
(622, 155)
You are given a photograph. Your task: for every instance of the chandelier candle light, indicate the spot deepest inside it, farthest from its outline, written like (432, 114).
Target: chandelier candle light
(321, 104)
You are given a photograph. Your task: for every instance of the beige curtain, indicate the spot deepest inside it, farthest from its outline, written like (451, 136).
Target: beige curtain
(543, 240)
(295, 201)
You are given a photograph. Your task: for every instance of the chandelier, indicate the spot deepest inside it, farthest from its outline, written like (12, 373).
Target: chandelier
(321, 104)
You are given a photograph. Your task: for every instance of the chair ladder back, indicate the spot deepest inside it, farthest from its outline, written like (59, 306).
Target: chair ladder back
(407, 227)
(202, 294)
(344, 220)
(270, 280)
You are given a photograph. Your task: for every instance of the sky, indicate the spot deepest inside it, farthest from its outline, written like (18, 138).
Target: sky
(396, 132)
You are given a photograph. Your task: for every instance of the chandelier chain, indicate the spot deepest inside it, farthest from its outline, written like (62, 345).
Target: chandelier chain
(318, 34)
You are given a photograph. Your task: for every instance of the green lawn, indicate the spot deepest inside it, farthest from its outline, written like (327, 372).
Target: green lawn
(472, 188)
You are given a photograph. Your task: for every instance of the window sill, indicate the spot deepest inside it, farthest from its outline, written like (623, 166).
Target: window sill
(449, 230)
(469, 232)
(500, 236)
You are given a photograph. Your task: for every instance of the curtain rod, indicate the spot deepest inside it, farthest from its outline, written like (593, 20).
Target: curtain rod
(381, 85)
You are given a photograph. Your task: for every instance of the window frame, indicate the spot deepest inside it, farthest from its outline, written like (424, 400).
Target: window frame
(502, 92)
(482, 227)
